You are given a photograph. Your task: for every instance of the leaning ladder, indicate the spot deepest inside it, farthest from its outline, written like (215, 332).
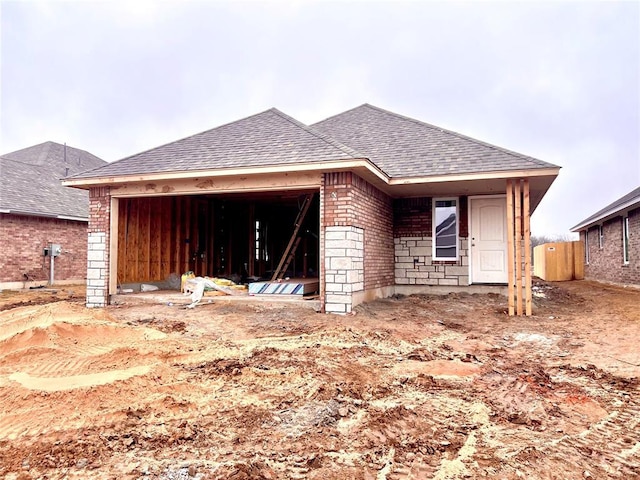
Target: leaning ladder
(290, 251)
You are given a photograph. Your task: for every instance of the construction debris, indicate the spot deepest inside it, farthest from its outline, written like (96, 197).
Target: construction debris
(196, 287)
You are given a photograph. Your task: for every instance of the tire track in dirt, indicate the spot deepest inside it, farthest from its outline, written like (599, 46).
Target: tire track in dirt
(609, 447)
(46, 363)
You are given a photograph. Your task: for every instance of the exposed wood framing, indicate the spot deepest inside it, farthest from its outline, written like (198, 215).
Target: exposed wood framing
(510, 247)
(156, 236)
(519, 247)
(252, 240)
(363, 167)
(527, 247)
(114, 226)
(540, 172)
(199, 186)
(518, 241)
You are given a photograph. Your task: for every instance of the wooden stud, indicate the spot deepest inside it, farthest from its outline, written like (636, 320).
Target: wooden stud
(518, 240)
(114, 222)
(155, 240)
(211, 251)
(167, 227)
(527, 247)
(510, 252)
(123, 215)
(144, 221)
(132, 241)
(179, 242)
(252, 238)
(186, 218)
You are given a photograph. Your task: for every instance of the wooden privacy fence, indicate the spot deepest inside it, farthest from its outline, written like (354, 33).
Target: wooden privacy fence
(557, 262)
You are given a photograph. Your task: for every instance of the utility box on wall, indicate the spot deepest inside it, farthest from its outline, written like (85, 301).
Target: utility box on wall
(53, 249)
(557, 262)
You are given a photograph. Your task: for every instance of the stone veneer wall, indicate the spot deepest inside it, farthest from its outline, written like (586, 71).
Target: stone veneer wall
(344, 267)
(413, 245)
(98, 247)
(414, 264)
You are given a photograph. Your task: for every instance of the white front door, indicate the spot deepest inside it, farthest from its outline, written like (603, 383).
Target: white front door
(488, 240)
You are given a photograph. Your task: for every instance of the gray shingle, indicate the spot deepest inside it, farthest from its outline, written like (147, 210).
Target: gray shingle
(405, 147)
(266, 139)
(399, 146)
(631, 198)
(30, 180)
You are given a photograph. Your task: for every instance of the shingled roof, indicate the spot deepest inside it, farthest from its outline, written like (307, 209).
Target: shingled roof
(626, 202)
(30, 181)
(265, 139)
(404, 147)
(396, 145)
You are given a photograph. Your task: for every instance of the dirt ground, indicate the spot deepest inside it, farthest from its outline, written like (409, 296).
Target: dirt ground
(410, 387)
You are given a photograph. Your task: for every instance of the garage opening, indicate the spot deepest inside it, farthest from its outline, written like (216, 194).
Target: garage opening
(243, 237)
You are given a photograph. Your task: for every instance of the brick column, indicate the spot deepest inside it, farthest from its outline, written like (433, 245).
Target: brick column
(98, 247)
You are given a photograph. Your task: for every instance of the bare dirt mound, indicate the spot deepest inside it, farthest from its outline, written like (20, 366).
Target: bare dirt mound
(407, 388)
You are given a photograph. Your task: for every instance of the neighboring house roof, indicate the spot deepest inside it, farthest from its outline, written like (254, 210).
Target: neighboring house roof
(268, 138)
(387, 142)
(30, 181)
(627, 202)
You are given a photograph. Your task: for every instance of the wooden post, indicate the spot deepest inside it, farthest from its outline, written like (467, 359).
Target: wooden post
(252, 239)
(510, 254)
(518, 240)
(527, 247)
(186, 259)
(114, 223)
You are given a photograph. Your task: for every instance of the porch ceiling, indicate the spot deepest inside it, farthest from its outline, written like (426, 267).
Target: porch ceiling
(455, 187)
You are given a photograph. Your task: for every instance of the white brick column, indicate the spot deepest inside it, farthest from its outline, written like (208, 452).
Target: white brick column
(344, 267)
(96, 270)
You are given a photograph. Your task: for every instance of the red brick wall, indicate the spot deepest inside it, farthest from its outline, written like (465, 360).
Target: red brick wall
(412, 217)
(23, 239)
(99, 221)
(99, 209)
(607, 264)
(348, 200)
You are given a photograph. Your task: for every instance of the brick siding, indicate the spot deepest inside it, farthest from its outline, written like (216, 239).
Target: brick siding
(607, 264)
(412, 229)
(412, 217)
(98, 247)
(23, 239)
(348, 200)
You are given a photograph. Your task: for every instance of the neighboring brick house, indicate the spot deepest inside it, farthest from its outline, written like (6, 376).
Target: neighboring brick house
(611, 238)
(222, 202)
(37, 211)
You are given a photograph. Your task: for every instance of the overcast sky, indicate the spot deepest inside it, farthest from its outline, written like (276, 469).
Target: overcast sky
(559, 81)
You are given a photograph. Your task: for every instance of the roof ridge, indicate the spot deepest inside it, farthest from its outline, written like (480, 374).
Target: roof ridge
(321, 135)
(342, 113)
(462, 136)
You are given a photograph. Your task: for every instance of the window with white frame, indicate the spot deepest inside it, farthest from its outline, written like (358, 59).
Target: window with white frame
(586, 246)
(445, 228)
(600, 237)
(625, 239)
